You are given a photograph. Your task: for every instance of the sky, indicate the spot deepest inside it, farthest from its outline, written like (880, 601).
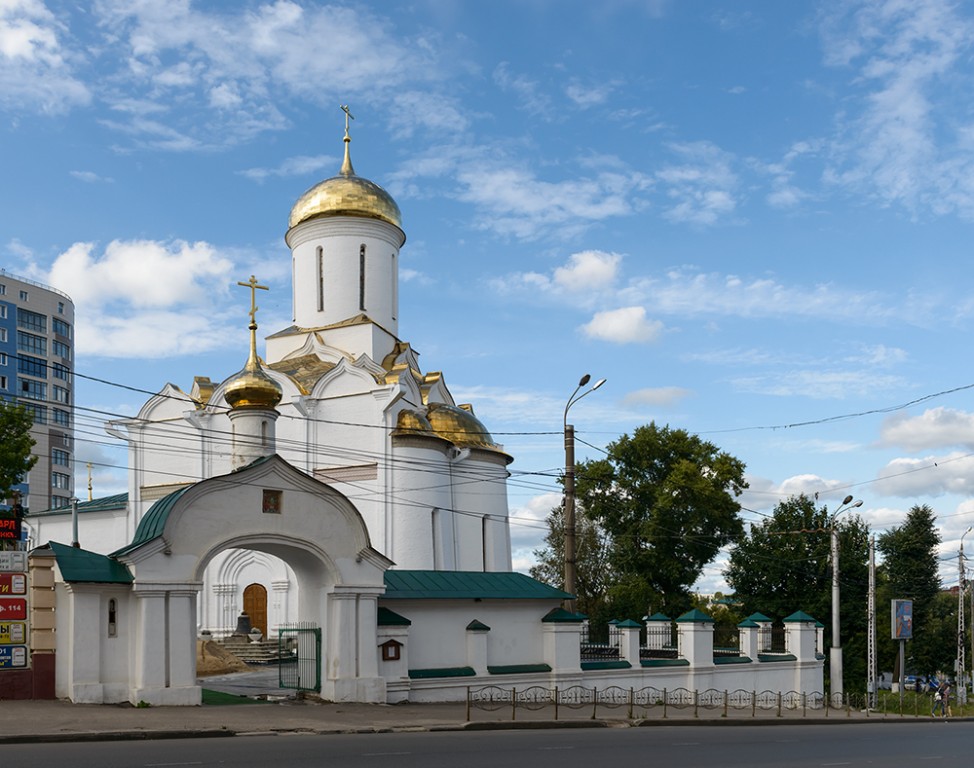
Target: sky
(753, 218)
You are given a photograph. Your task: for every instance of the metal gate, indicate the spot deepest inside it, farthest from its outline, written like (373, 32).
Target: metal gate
(299, 649)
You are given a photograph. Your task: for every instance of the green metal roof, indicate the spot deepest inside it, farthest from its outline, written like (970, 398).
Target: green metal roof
(658, 617)
(104, 504)
(748, 624)
(694, 616)
(798, 616)
(561, 616)
(476, 624)
(758, 617)
(80, 565)
(387, 618)
(153, 523)
(464, 585)
(629, 624)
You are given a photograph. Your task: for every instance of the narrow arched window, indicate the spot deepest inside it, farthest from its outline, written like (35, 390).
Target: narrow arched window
(112, 618)
(361, 277)
(395, 288)
(263, 434)
(321, 278)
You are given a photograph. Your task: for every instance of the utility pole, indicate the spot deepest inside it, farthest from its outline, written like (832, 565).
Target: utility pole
(871, 682)
(961, 645)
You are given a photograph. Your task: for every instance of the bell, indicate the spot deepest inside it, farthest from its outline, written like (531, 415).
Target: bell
(243, 625)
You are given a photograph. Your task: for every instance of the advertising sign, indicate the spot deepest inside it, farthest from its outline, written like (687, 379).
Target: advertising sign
(12, 608)
(13, 561)
(12, 656)
(13, 584)
(10, 528)
(13, 633)
(902, 616)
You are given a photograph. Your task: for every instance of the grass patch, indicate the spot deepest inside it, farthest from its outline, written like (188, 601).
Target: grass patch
(219, 698)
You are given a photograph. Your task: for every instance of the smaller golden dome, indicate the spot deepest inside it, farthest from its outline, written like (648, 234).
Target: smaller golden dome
(252, 388)
(459, 426)
(412, 423)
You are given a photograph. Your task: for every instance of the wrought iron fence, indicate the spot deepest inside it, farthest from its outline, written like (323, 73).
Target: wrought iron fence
(771, 640)
(661, 641)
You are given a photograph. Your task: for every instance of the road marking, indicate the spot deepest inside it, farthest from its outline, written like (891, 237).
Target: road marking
(552, 749)
(383, 754)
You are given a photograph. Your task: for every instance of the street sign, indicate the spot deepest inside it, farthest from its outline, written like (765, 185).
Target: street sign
(13, 584)
(13, 608)
(13, 633)
(12, 656)
(13, 561)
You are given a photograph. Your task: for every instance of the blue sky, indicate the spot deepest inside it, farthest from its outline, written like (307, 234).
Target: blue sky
(753, 218)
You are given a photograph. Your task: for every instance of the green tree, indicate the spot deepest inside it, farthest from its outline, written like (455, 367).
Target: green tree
(592, 570)
(911, 571)
(784, 565)
(668, 502)
(16, 445)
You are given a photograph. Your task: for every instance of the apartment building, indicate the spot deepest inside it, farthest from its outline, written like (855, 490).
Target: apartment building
(37, 370)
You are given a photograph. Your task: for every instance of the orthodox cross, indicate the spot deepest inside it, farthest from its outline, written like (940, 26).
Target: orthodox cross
(252, 284)
(348, 116)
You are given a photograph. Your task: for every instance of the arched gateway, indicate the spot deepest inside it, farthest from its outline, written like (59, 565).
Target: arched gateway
(267, 506)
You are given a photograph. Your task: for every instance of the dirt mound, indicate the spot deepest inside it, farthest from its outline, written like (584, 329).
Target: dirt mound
(213, 659)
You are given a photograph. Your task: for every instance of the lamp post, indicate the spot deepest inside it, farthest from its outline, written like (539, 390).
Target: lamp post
(961, 661)
(835, 657)
(569, 513)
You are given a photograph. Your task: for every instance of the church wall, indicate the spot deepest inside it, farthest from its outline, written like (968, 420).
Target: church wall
(422, 499)
(480, 483)
(438, 634)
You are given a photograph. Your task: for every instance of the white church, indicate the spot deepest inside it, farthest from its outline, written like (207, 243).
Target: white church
(332, 485)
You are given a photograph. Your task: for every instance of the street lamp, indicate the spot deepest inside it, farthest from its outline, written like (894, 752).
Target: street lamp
(569, 518)
(835, 657)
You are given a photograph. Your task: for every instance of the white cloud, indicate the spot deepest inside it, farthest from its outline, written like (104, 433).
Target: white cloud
(591, 95)
(301, 165)
(529, 527)
(904, 145)
(701, 186)
(627, 325)
(532, 99)
(658, 396)
(588, 271)
(36, 70)
(90, 177)
(934, 428)
(132, 299)
(818, 384)
(927, 476)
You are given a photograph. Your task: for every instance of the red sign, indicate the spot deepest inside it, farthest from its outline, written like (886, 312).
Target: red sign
(13, 608)
(13, 584)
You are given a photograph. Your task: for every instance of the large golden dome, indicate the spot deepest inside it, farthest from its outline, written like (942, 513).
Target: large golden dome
(346, 195)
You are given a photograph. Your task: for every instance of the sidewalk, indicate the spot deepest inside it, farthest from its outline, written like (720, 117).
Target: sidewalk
(29, 721)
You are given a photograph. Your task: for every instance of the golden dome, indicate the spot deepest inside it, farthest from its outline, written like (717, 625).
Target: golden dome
(252, 388)
(346, 195)
(412, 423)
(459, 426)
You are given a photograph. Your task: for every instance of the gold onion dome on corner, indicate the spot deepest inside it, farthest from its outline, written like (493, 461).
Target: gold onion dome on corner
(346, 195)
(251, 387)
(459, 426)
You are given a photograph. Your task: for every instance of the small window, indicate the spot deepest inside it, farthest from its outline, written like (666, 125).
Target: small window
(3, 312)
(24, 296)
(61, 417)
(61, 480)
(60, 307)
(3, 290)
(3, 382)
(3, 334)
(272, 502)
(3, 358)
(62, 350)
(61, 458)
(112, 618)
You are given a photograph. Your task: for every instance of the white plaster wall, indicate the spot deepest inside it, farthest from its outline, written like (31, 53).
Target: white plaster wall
(340, 238)
(418, 472)
(438, 635)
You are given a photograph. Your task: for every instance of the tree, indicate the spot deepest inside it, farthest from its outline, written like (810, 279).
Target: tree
(783, 565)
(16, 445)
(667, 501)
(593, 574)
(911, 572)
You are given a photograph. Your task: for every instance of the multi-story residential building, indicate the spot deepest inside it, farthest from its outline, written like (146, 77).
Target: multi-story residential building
(37, 370)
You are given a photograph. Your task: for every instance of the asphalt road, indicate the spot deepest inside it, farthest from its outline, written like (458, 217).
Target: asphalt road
(889, 745)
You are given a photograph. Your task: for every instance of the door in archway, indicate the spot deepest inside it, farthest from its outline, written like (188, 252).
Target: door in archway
(255, 606)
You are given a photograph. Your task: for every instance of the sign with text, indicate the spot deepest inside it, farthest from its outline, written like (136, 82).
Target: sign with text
(902, 616)
(10, 528)
(13, 608)
(13, 561)
(13, 633)
(13, 584)
(13, 656)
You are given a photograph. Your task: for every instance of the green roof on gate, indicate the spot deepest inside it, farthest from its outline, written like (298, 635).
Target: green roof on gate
(798, 616)
(465, 585)
(81, 566)
(696, 616)
(104, 504)
(153, 523)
